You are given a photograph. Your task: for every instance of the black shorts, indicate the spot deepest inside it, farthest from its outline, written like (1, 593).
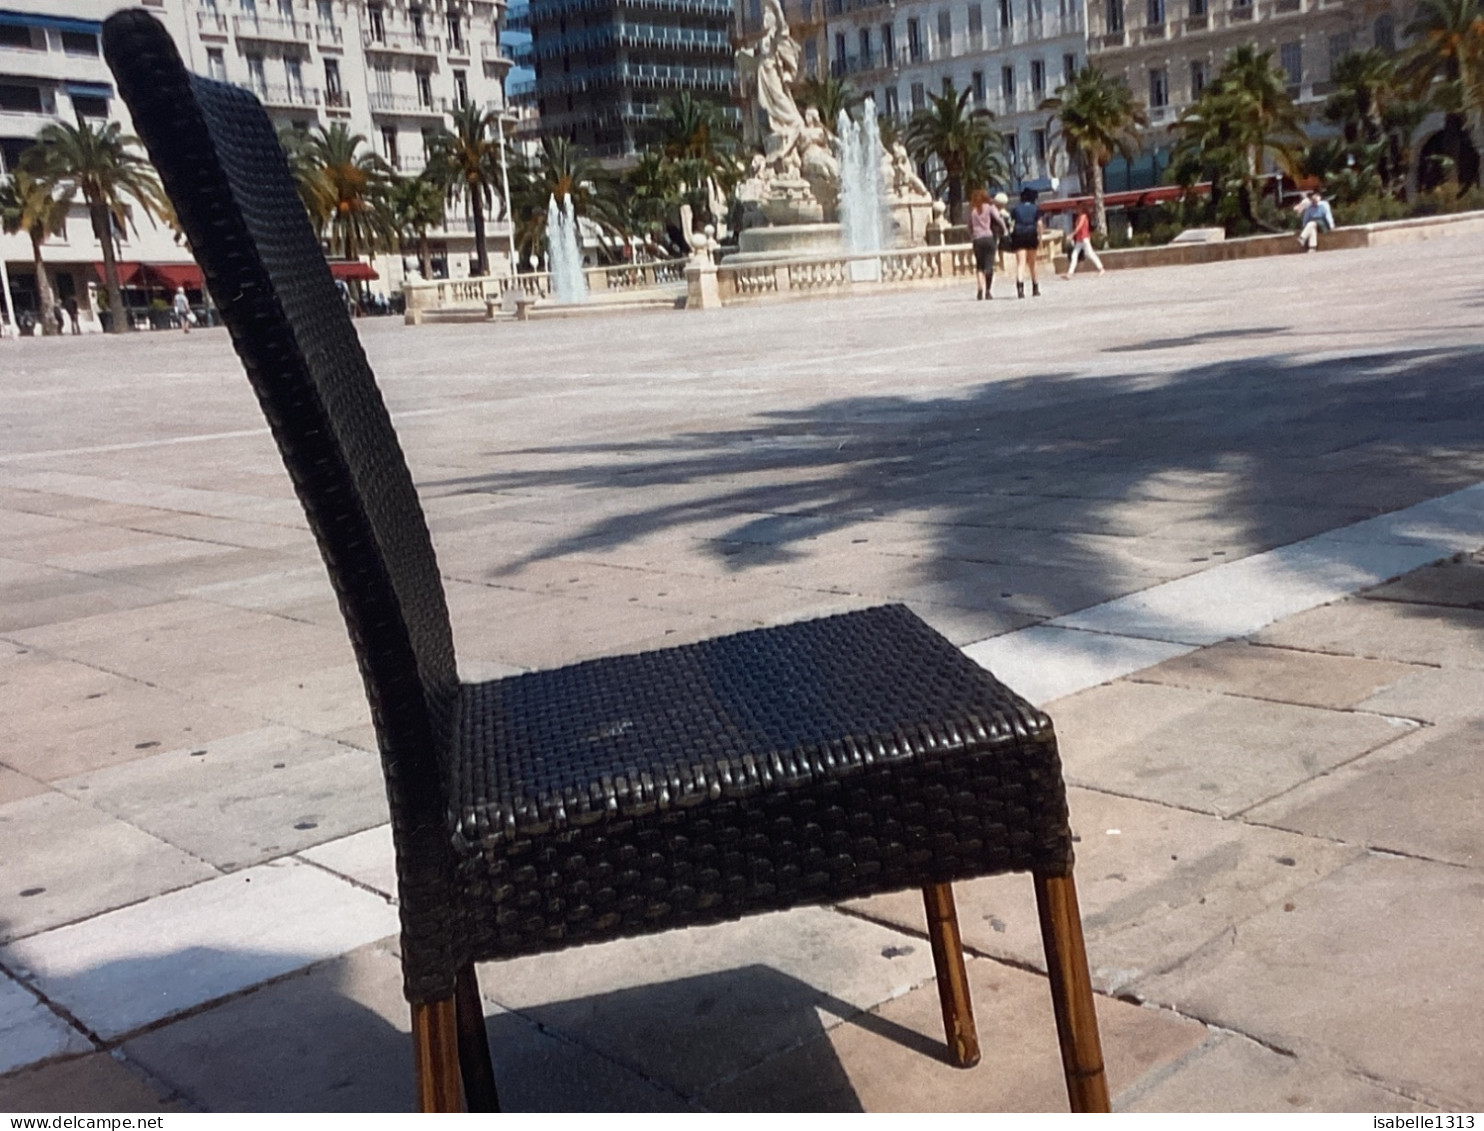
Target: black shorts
(985, 250)
(1024, 241)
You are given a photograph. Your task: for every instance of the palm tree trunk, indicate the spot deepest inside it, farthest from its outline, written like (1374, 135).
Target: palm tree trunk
(44, 294)
(118, 322)
(476, 199)
(424, 253)
(1099, 202)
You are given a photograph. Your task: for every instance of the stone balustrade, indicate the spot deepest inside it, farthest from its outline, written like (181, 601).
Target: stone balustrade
(466, 297)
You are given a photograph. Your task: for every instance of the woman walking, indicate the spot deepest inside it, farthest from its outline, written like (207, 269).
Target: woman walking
(1082, 243)
(986, 225)
(1025, 239)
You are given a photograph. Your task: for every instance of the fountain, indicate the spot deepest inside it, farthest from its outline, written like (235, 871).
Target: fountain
(568, 283)
(864, 219)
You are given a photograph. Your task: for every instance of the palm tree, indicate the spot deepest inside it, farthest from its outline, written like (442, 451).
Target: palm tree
(558, 170)
(1371, 107)
(104, 166)
(700, 149)
(962, 140)
(1448, 49)
(345, 186)
(1096, 116)
(829, 95)
(1244, 117)
(466, 162)
(417, 204)
(27, 205)
(653, 190)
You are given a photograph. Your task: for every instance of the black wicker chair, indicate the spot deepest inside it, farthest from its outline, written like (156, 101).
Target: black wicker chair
(807, 763)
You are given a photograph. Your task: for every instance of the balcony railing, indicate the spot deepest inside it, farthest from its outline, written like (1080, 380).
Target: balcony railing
(212, 23)
(276, 31)
(491, 52)
(406, 104)
(337, 101)
(401, 43)
(329, 35)
(295, 97)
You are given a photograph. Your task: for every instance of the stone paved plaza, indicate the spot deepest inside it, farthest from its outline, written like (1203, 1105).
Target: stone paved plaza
(1194, 512)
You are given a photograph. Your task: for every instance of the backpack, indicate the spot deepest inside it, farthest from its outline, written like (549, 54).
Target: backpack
(1025, 215)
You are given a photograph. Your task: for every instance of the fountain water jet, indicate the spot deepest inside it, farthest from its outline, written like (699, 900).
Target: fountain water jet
(568, 283)
(864, 218)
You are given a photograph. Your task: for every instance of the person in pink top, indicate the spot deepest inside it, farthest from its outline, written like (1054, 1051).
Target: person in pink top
(986, 225)
(1082, 243)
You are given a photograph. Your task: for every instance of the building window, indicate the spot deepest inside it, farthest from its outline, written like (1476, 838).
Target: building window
(293, 73)
(811, 59)
(455, 33)
(1156, 13)
(865, 46)
(1068, 68)
(1115, 16)
(914, 41)
(250, 7)
(1004, 13)
(945, 31)
(976, 26)
(376, 22)
(419, 29)
(425, 89)
(947, 85)
(383, 76)
(89, 107)
(1197, 8)
(389, 144)
(216, 64)
(1383, 32)
(1159, 88)
(257, 77)
(13, 35)
(919, 97)
(1197, 77)
(840, 54)
(332, 82)
(888, 43)
(1291, 59)
(977, 84)
(80, 43)
(1012, 151)
(326, 9)
(890, 103)
(1038, 146)
(1007, 86)
(1339, 47)
(1038, 77)
(460, 89)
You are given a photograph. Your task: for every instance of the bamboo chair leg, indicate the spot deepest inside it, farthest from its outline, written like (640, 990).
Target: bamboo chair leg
(474, 1045)
(1071, 993)
(953, 979)
(435, 1055)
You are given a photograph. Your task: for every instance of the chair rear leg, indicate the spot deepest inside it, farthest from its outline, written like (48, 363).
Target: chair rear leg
(435, 1055)
(474, 1045)
(1071, 993)
(953, 979)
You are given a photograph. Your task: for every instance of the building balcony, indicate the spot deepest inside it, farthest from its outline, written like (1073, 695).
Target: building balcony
(329, 36)
(401, 43)
(337, 103)
(287, 97)
(407, 105)
(492, 52)
(212, 25)
(410, 165)
(262, 29)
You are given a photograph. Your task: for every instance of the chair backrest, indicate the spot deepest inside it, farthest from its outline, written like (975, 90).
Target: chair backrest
(221, 165)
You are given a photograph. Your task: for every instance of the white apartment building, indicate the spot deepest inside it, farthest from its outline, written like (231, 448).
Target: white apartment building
(1012, 54)
(388, 69)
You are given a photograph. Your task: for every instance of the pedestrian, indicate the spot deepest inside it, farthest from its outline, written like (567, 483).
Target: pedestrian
(182, 308)
(1316, 215)
(1082, 242)
(986, 225)
(71, 306)
(1026, 227)
(61, 319)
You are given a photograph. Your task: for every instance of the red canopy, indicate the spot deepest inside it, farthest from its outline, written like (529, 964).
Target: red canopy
(128, 272)
(349, 269)
(165, 275)
(1137, 198)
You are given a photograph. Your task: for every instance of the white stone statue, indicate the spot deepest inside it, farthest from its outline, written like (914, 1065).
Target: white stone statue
(775, 63)
(905, 182)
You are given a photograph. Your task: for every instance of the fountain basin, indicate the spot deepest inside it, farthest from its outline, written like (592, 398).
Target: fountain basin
(786, 241)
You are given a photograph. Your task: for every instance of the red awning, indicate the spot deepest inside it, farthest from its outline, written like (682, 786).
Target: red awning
(1137, 198)
(172, 275)
(128, 272)
(349, 269)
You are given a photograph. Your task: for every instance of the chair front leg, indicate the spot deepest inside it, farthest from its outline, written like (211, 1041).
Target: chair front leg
(474, 1045)
(1071, 993)
(953, 978)
(435, 1055)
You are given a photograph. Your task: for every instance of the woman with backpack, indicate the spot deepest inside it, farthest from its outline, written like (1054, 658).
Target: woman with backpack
(1025, 239)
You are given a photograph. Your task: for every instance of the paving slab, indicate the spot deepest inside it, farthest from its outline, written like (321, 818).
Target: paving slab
(65, 718)
(1387, 630)
(1154, 883)
(1231, 1073)
(687, 1007)
(61, 861)
(15, 785)
(366, 857)
(1322, 971)
(1459, 581)
(94, 1083)
(1431, 694)
(1312, 679)
(1420, 796)
(1043, 664)
(29, 1032)
(336, 1038)
(130, 968)
(1199, 750)
(239, 801)
(39, 594)
(892, 1059)
(322, 702)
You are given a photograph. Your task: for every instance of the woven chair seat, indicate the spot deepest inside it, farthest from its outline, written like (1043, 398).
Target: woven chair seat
(812, 762)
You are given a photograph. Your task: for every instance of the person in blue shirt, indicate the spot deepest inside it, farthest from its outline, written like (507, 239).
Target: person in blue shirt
(1316, 215)
(1026, 226)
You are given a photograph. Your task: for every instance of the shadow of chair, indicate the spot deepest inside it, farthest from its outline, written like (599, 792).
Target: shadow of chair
(806, 763)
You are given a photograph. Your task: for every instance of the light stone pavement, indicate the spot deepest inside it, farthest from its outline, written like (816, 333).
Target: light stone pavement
(1165, 504)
